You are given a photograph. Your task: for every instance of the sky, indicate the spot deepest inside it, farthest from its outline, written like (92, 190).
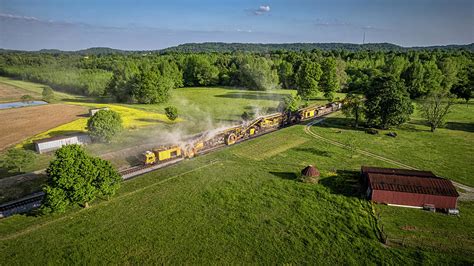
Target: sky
(150, 25)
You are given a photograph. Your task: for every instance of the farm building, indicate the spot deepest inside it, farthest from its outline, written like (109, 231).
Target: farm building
(95, 110)
(409, 188)
(54, 143)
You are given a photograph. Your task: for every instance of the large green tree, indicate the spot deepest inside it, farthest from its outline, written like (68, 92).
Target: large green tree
(150, 86)
(286, 75)
(414, 79)
(387, 102)
(464, 88)
(258, 74)
(120, 85)
(307, 79)
(329, 80)
(354, 107)
(77, 178)
(199, 71)
(104, 125)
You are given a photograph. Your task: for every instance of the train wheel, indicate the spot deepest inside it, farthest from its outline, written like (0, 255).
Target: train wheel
(230, 139)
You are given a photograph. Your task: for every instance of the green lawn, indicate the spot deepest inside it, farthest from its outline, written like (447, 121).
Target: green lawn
(227, 207)
(448, 151)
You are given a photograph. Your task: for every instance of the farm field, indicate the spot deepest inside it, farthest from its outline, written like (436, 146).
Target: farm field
(34, 89)
(9, 93)
(18, 124)
(227, 207)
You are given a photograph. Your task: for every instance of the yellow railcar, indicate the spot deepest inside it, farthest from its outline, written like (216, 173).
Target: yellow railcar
(168, 153)
(149, 157)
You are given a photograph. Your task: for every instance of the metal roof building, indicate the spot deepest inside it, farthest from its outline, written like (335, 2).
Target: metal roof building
(54, 143)
(409, 188)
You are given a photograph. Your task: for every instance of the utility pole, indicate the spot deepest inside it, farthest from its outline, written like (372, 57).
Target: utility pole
(363, 40)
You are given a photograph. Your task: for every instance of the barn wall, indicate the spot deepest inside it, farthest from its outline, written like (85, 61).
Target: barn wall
(413, 199)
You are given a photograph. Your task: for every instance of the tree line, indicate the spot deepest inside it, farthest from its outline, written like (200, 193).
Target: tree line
(149, 78)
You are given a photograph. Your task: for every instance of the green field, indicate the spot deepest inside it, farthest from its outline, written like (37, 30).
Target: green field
(226, 207)
(448, 152)
(243, 204)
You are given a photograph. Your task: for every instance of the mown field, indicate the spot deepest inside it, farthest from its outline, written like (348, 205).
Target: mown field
(448, 152)
(231, 206)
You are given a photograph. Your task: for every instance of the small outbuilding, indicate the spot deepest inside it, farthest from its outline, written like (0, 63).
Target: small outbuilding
(95, 110)
(409, 188)
(54, 143)
(310, 174)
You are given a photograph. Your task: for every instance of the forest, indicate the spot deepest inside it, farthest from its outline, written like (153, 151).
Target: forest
(148, 77)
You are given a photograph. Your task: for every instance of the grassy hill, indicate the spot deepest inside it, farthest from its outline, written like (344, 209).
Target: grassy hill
(243, 204)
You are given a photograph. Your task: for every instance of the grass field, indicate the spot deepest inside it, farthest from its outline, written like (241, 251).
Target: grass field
(448, 151)
(227, 208)
(35, 89)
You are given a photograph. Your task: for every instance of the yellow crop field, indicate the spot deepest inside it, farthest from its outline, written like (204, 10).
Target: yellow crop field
(132, 118)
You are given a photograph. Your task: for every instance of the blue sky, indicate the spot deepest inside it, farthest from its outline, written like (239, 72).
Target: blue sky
(145, 24)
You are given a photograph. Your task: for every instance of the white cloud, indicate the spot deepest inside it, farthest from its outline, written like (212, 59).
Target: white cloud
(4, 15)
(261, 10)
(264, 8)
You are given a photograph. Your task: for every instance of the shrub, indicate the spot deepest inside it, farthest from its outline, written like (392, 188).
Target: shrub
(171, 112)
(104, 125)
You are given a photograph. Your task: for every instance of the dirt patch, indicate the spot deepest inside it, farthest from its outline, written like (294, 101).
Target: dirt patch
(18, 124)
(11, 93)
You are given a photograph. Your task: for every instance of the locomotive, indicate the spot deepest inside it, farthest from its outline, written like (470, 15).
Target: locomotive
(248, 129)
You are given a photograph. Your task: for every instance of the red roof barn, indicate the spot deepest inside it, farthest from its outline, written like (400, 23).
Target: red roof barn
(409, 188)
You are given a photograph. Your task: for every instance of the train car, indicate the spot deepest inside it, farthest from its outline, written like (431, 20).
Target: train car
(162, 154)
(229, 136)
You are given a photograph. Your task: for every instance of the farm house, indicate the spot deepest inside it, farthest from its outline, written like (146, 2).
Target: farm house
(54, 143)
(409, 188)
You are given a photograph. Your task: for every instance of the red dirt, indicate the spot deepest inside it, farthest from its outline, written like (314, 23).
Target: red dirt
(18, 124)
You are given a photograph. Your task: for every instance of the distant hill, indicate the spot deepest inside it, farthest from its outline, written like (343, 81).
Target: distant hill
(259, 48)
(209, 47)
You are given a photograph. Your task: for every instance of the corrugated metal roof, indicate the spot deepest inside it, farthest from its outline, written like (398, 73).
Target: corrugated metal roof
(412, 184)
(59, 137)
(394, 171)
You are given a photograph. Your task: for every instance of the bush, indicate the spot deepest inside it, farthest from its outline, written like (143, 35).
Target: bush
(104, 125)
(26, 98)
(171, 112)
(77, 178)
(48, 94)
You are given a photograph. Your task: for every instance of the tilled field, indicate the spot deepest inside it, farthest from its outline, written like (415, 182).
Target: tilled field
(11, 93)
(18, 124)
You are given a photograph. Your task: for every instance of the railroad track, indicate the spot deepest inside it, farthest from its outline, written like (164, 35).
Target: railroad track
(33, 201)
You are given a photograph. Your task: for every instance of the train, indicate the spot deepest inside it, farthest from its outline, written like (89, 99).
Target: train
(229, 136)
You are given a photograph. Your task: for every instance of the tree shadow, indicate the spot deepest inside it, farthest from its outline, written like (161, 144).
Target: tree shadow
(346, 183)
(252, 95)
(314, 151)
(285, 175)
(468, 127)
(340, 123)
(152, 120)
(133, 160)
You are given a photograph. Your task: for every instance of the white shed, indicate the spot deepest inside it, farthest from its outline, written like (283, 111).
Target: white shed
(54, 143)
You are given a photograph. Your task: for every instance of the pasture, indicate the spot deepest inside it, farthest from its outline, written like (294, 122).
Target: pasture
(227, 208)
(447, 152)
